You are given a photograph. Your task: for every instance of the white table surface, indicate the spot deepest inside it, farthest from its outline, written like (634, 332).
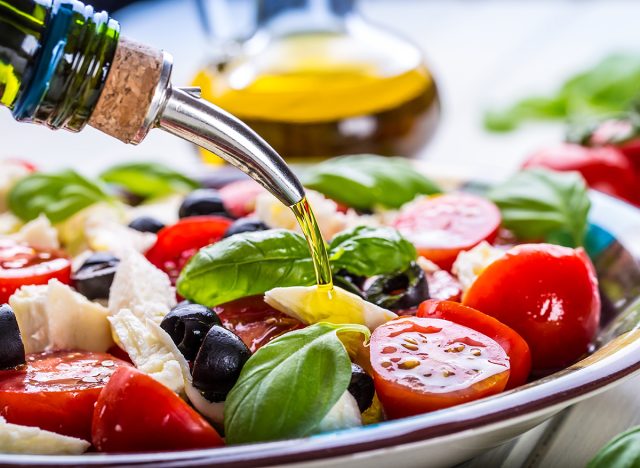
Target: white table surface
(481, 52)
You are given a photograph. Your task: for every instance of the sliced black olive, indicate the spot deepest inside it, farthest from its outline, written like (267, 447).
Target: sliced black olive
(146, 224)
(218, 363)
(94, 278)
(245, 225)
(187, 324)
(361, 387)
(399, 291)
(12, 350)
(202, 202)
(352, 283)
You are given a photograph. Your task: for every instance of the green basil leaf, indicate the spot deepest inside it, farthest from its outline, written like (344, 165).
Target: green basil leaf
(246, 264)
(366, 181)
(370, 251)
(289, 385)
(149, 179)
(58, 195)
(538, 204)
(623, 451)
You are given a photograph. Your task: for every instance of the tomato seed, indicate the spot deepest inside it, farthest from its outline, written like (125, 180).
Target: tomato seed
(476, 352)
(411, 340)
(409, 364)
(388, 350)
(386, 364)
(410, 347)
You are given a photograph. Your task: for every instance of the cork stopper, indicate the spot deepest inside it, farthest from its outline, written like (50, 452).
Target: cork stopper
(128, 90)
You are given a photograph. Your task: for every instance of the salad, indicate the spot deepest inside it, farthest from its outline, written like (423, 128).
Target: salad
(146, 310)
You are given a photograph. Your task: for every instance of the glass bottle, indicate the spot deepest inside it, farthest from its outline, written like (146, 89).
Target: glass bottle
(316, 80)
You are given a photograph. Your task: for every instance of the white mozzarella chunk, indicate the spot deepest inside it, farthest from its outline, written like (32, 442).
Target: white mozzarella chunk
(38, 233)
(471, 263)
(139, 285)
(35, 441)
(54, 316)
(10, 173)
(9, 223)
(343, 415)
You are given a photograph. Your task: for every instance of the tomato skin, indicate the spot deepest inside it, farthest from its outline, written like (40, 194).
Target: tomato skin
(239, 198)
(22, 265)
(44, 394)
(442, 226)
(448, 372)
(546, 293)
(255, 321)
(135, 413)
(514, 345)
(177, 243)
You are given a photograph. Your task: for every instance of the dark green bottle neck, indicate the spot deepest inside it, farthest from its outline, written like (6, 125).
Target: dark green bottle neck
(54, 60)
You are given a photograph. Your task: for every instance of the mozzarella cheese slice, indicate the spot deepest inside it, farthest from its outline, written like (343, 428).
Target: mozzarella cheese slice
(32, 440)
(343, 415)
(471, 263)
(38, 233)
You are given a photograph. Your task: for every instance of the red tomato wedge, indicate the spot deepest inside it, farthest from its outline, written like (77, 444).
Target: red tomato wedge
(546, 293)
(513, 344)
(176, 244)
(255, 321)
(136, 413)
(239, 198)
(444, 225)
(56, 391)
(425, 364)
(21, 265)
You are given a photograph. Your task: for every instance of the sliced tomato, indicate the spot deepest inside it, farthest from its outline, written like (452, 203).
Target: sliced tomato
(513, 344)
(177, 243)
(56, 391)
(255, 321)
(444, 225)
(239, 198)
(136, 413)
(546, 293)
(21, 265)
(425, 364)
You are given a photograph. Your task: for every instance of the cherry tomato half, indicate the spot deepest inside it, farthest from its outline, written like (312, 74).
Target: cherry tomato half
(177, 243)
(21, 265)
(444, 225)
(425, 364)
(513, 344)
(239, 198)
(255, 321)
(548, 294)
(136, 413)
(56, 391)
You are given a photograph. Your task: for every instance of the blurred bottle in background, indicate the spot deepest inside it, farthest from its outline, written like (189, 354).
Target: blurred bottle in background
(315, 79)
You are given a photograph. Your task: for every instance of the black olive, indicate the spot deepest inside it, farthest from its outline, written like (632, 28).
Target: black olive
(399, 291)
(361, 387)
(146, 224)
(94, 278)
(218, 363)
(245, 225)
(202, 202)
(12, 351)
(352, 283)
(187, 324)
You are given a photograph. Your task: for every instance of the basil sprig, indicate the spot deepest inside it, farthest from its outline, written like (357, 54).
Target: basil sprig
(366, 181)
(246, 264)
(622, 451)
(58, 195)
(149, 179)
(538, 204)
(289, 385)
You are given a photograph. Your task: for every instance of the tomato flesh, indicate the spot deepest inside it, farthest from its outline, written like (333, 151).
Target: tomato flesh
(546, 293)
(136, 413)
(513, 344)
(425, 364)
(255, 321)
(22, 265)
(444, 225)
(56, 391)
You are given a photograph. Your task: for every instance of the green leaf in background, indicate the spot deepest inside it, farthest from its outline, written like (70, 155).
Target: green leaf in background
(289, 385)
(246, 264)
(58, 195)
(609, 87)
(148, 179)
(621, 452)
(538, 204)
(370, 251)
(366, 181)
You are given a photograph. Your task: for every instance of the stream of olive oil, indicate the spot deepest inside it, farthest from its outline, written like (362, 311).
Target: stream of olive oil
(309, 225)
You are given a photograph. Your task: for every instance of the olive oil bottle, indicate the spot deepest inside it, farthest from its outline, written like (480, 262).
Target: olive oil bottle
(316, 81)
